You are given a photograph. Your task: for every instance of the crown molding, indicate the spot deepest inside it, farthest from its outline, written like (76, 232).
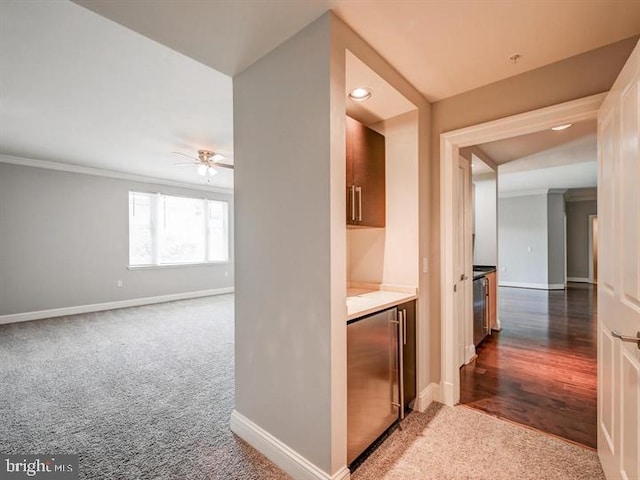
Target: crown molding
(523, 193)
(99, 172)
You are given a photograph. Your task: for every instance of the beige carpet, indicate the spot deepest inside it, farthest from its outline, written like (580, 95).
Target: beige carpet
(457, 443)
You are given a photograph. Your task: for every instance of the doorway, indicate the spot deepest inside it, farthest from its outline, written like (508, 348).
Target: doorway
(451, 142)
(543, 322)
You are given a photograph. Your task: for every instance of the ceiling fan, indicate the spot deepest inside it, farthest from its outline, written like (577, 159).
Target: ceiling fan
(206, 162)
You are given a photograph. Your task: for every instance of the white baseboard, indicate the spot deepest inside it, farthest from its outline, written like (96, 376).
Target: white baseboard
(498, 325)
(578, 280)
(469, 354)
(282, 455)
(98, 307)
(427, 396)
(535, 286)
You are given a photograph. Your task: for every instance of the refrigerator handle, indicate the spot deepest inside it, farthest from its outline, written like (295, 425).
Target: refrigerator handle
(404, 326)
(399, 323)
(401, 327)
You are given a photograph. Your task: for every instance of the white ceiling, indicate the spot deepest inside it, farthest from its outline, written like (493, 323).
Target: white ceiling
(478, 167)
(569, 165)
(503, 151)
(80, 89)
(442, 47)
(562, 177)
(385, 102)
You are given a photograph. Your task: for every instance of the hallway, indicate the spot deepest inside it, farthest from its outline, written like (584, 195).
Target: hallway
(540, 370)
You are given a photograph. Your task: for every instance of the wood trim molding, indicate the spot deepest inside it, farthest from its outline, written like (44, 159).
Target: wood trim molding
(578, 280)
(98, 307)
(279, 453)
(469, 354)
(427, 396)
(450, 144)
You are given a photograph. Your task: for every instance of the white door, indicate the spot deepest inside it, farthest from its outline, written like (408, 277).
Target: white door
(619, 275)
(463, 295)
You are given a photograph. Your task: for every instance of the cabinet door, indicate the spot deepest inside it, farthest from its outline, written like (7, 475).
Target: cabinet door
(367, 150)
(408, 343)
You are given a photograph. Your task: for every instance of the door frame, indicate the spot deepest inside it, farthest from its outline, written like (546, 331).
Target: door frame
(592, 270)
(450, 143)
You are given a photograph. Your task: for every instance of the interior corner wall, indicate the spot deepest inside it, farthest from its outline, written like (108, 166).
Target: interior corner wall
(556, 240)
(578, 237)
(64, 242)
(284, 257)
(428, 276)
(485, 244)
(575, 77)
(390, 255)
(522, 240)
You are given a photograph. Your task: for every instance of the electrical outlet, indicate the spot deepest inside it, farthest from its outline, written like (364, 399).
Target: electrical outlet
(503, 269)
(425, 265)
(529, 249)
(226, 273)
(119, 283)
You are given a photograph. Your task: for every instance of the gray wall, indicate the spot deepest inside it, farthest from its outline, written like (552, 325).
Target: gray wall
(522, 240)
(569, 79)
(282, 147)
(64, 241)
(485, 208)
(556, 238)
(578, 237)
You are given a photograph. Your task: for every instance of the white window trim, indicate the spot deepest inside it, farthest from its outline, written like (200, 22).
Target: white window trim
(178, 265)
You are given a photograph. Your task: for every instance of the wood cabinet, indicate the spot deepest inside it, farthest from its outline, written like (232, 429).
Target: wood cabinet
(492, 307)
(365, 175)
(407, 311)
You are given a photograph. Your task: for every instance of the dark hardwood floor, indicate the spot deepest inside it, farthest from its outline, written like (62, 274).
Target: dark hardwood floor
(540, 370)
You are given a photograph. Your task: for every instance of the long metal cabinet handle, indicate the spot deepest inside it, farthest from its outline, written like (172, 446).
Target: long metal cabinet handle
(627, 338)
(486, 306)
(359, 190)
(352, 191)
(404, 326)
(401, 361)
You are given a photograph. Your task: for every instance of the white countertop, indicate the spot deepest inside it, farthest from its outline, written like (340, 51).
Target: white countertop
(376, 301)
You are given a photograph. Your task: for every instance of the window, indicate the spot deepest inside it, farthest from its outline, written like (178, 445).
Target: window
(168, 230)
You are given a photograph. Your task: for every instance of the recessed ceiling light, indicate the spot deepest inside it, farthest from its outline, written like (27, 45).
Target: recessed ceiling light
(561, 127)
(360, 94)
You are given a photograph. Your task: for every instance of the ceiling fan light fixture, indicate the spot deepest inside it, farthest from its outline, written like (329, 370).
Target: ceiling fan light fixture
(212, 171)
(561, 127)
(202, 170)
(360, 94)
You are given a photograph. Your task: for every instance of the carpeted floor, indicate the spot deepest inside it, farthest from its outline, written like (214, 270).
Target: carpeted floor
(138, 393)
(458, 443)
(147, 392)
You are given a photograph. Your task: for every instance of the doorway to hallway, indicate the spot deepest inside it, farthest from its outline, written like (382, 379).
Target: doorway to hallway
(540, 370)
